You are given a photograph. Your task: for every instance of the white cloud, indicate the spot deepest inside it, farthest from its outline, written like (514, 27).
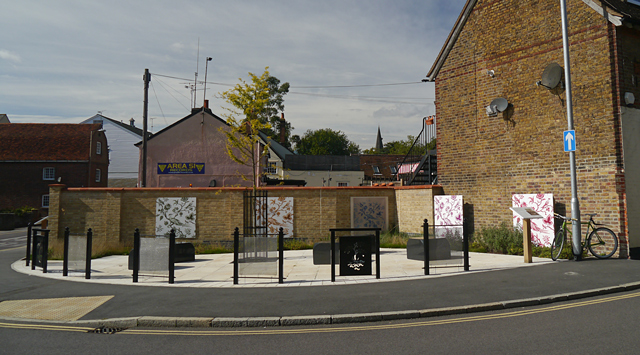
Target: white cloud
(12, 57)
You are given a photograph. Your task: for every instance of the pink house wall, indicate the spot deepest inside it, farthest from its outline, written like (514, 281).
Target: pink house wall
(194, 139)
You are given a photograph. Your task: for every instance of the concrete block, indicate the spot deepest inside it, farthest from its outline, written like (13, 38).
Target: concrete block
(157, 322)
(263, 321)
(356, 318)
(227, 322)
(193, 322)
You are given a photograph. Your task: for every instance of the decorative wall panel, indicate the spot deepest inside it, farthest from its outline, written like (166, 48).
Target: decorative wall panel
(369, 212)
(178, 214)
(448, 215)
(542, 230)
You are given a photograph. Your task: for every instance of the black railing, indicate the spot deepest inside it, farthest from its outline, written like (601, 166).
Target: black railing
(419, 164)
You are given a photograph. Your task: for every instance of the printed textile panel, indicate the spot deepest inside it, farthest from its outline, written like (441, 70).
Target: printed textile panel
(280, 215)
(369, 212)
(177, 213)
(448, 215)
(542, 230)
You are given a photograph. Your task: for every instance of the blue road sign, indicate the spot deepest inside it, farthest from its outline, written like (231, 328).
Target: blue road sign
(569, 139)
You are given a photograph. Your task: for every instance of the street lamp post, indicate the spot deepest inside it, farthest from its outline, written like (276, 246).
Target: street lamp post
(575, 204)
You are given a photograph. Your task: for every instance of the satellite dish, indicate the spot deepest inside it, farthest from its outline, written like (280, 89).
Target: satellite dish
(551, 76)
(500, 104)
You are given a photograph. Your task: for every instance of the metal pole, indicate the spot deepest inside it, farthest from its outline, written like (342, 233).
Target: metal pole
(87, 265)
(29, 243)
(147, 79)
(465, 245)
(333, 256)
(236, 243)
(65, 261)
(575, 204)
(281, 255)
(172, 256)
(136, 254)
(206, 68)
(377, 241)
(425, 245)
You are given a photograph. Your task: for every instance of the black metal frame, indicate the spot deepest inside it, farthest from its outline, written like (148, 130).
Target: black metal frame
(333, 247)
(465, 245)
(171, 256)
(65, 263)
(35, 238)
(236, 249)
(252, 225)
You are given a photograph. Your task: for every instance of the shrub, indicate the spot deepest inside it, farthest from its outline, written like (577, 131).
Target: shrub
(502, 240)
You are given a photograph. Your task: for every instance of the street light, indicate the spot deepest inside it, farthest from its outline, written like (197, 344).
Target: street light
(206, 67)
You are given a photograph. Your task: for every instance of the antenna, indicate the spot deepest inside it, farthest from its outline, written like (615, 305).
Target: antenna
(195, 81)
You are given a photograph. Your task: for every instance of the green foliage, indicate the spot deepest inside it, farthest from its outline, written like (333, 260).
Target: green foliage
(21, 211)
(393, 239)
(262, 99)
(325, 142)
(255, 103)
(502, 240)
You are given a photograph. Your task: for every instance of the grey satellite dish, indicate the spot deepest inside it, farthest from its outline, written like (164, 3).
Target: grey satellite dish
(551, 76)
(500, 104)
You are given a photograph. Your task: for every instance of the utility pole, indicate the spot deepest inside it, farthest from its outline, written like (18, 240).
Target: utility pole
(575, 203)
(147, 79)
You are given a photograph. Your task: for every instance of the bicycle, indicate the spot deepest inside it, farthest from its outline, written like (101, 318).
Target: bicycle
(602, 242)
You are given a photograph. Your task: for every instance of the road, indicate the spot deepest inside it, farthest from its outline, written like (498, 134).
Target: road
(600, 324)
(16, 238)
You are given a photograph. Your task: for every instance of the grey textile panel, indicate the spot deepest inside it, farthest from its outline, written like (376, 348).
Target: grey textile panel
(77, 252)
(154, 254)
(258, 256)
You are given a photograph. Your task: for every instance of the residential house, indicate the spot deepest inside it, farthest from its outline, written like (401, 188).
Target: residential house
(193, 152)
(33, 156)
(500, 49)
(123, 154)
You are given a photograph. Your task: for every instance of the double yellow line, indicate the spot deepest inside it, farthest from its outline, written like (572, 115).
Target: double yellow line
(275, 331)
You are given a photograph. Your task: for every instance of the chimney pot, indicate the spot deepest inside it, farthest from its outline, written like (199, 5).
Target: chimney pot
(132, 122)
(206, 103)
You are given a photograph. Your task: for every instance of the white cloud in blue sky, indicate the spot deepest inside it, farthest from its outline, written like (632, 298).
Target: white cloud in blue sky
(62, 61)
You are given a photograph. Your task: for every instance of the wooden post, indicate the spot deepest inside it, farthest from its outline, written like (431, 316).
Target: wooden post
(526, 242)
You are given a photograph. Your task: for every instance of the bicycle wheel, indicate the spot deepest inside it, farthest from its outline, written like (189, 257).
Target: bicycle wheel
(556, 246)
(603, 243)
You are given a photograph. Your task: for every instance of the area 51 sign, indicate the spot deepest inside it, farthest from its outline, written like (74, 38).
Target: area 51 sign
(569, 139)
(180, 168)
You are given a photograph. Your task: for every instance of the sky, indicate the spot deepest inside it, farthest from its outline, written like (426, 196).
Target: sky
(64, 61)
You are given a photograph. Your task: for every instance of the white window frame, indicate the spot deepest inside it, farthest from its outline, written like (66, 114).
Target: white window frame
(343, 184)
(49, 173)
(98, 175)
(376, 170)
(98, 147)
(45, 201)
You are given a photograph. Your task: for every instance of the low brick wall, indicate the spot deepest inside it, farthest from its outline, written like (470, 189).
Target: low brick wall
(114, 213)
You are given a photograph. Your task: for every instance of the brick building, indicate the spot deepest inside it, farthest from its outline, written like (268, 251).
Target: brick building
(499, 49)
(33, 156)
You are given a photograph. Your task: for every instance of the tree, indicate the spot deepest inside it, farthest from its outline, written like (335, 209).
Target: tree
(325, 142)
(252, 105)
(261, 99)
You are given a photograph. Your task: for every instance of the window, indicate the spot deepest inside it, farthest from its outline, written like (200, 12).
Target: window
(271, 169)
(393, 170)
(376, 170)
(45, 201)
(99, 148)
(98, 175)
(343, 184)
(49, 174)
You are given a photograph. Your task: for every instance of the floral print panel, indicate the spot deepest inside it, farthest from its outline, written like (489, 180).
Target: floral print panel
(178, 214)
(280, 215)
(448, 216)
(369, 212)
(542, 230)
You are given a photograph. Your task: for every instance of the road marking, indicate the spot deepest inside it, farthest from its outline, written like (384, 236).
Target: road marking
(331, 330)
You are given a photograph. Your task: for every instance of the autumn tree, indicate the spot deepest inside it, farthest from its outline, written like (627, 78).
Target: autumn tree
(252, 106)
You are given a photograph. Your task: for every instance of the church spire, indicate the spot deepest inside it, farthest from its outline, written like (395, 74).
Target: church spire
(379, 142)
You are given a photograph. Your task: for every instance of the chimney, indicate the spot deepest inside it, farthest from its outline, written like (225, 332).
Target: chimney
(206, 103)
(132, 122)
(283, 123)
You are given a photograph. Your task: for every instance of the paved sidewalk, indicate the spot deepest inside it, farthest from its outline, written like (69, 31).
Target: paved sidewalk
(498, 282)
(216, 270)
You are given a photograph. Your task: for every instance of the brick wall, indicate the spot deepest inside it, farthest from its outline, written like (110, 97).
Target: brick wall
(487, 159)
(114, 213)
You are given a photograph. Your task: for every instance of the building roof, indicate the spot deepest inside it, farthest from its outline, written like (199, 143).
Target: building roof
(280, 150)
(194, 112)
(323, 162)
(618, 12)
(45, 142)
(133, 129)
(4, 118)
